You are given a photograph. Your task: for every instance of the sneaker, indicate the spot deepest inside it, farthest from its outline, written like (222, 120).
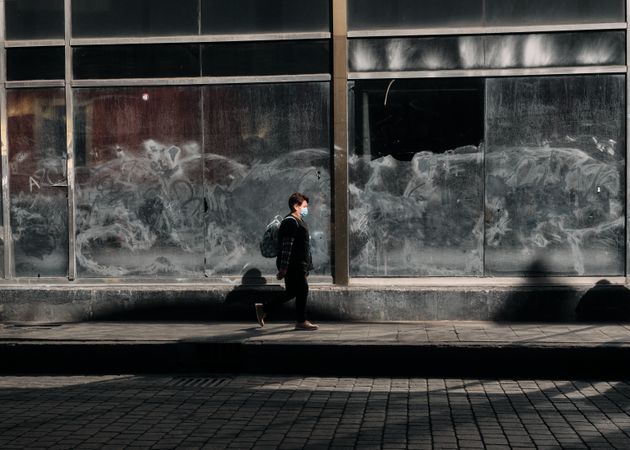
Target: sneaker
(260, 314)
(306, 326)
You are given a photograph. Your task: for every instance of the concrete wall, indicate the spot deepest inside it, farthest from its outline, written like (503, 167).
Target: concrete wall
(41, 304)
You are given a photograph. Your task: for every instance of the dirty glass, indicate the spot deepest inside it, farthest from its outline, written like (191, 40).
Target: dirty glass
(35, 63)
(487, 52)
(34, 19)
(139, 182)
(266, 58)
(112, 18)
(269, 16)
(136, 61)
(401, 14)
(416, 177)
(555, 175)
(263, 142)
(551, 12)
(38, 181)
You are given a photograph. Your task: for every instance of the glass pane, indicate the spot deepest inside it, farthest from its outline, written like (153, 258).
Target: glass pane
(555, 175)
(136, 61)
(416, 178)
(262, 143)
(555, 49)
(487, 52)
(35, 63)
(549, 12)
(267, 58)
(401, 14)
(38, 182)
(139, 182)
(34, 19)
(99, 18)
(269, 16)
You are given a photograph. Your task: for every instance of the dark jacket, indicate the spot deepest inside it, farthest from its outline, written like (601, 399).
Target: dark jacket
(295, 245)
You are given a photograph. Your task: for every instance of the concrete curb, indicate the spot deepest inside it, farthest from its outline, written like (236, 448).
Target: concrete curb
(498, 360)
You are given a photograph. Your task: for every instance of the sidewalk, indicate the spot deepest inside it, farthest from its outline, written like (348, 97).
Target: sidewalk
(441, 348)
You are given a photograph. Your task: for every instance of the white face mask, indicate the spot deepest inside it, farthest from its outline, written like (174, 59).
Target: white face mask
(304, 211)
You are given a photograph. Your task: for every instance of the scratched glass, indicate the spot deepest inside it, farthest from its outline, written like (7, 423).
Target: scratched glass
(263, 142)
(115, 18)
(416, 177)
(38, 182)
(139, 182)
(269, 16)
(555, 176)
(34, 19)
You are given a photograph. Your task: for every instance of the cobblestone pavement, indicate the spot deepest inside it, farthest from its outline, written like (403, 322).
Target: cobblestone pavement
(293, 412)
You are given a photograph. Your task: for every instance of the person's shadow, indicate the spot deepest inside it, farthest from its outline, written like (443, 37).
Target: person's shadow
(253, 289)
(605, 302)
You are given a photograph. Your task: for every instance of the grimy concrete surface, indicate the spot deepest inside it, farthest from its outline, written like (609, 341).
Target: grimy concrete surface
(434, 348)
(282, 412)
(494, 299)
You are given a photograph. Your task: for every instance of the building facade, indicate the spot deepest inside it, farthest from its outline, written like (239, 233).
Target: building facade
(461, 156)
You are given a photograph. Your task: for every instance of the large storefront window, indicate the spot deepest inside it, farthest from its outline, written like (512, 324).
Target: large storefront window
(139, 182)
(264, 142)
(416, 171)
(152, 202)
(555, 175)
(503, 176)
(38, 181)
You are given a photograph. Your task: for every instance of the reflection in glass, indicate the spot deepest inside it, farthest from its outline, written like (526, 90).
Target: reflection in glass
(266, 58)
(416, 183)
(136, 61)
(263, 142)
(99, 18)
(269, 16)
(34, 19)
(555, 175)
(487, 52)
(35, 63)
(139, 182)
(38, 182)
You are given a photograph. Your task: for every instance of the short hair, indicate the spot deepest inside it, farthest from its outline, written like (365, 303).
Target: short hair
(297, 199)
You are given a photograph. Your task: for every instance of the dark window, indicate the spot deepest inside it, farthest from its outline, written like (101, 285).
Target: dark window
(269, 16)
(34, 19)
(374, 14)
(401, 14)
(99, 18)
(405, 117)
(35, 63)
(544, 12)
(266, 58)
(136, 61)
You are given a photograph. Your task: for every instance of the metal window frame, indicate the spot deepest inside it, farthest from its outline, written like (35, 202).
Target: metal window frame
(339, 78)
(441, 31)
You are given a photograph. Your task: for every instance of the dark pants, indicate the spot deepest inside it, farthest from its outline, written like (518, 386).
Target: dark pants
(296, 286)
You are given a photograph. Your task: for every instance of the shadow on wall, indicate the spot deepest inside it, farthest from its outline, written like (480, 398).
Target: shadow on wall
(538, 299)
(605, 302)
